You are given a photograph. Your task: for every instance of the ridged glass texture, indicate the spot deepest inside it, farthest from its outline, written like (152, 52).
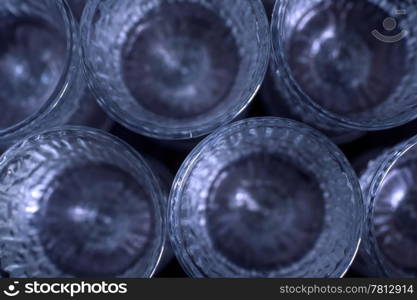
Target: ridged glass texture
(175, 69)
(165, 178)
(265, 197)
(88, 113)
(389, 238)
(78, 202)
(346, 65)
(40, 65)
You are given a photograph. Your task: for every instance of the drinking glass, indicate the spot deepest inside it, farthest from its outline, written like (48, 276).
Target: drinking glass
(40, 66)
(347, 65)
(389, 238)
(265, 197)
(78, 202)
(166, 178)
(175, 69)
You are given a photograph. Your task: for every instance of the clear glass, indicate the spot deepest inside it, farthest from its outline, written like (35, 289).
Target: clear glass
(175, 69)
(88, 112)
(166, 178)
(266, 197)
(275, 104)
(389, 185)
(345, 65)
(77, 202)
(40, 66)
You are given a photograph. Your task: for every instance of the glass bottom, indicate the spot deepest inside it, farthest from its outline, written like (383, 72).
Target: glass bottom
(338, 61)
(180, 60)
(264, 213)
(395, 216)
(96, 221)
(32, 58)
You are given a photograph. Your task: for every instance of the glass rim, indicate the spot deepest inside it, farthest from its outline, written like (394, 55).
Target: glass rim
(279, 13)
(181, 132)
(388, 163)
(192, 159)
(64, 83)
(105, 137)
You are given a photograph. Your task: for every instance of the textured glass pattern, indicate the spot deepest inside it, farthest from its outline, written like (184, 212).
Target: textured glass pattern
(175, 69)
(265, 197)
(345, 64)
(78, 202)
(40, 65)
(389, 238)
